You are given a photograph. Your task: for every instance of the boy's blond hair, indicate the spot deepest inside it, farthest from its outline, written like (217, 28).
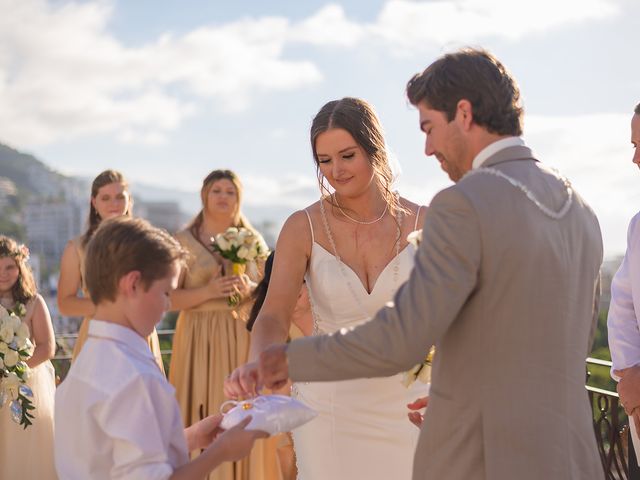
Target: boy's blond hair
(122, 245)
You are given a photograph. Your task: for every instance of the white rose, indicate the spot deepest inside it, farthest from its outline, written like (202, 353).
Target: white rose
(11, 383)
(21, 342)
(28, 347)
(243, 252)
(11, 358)
(409, 377)
(3, 347)
(222, 242)
(6, 333)
(15, 322)
(425, 374)
(415, 237)
(23, 331)
(1, 364)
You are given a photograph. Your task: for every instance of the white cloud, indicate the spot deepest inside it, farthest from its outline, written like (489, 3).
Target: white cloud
(63, 75)
(409, 24)
(594, 152)
(329, 26)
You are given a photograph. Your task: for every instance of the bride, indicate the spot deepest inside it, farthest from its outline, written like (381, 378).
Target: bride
(350, 247)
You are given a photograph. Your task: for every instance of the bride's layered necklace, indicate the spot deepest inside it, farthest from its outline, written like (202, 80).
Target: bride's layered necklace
(343, 268)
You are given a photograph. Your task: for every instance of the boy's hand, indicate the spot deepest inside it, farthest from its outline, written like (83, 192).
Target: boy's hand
(236, 443)
(202, 433)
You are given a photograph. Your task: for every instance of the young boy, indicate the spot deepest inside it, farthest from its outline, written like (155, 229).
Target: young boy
(116, 415)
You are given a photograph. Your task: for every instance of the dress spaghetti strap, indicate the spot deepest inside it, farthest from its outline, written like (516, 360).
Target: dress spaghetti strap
(415, 226)
(313, 239)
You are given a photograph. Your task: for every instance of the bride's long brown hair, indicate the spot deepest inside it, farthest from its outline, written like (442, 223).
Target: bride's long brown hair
(357, 117)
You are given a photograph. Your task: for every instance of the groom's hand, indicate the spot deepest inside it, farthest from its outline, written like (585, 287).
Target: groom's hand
(274, 367)
(629, 388)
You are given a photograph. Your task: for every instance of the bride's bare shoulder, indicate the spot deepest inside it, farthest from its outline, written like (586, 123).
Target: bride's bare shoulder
(412, 206)
(297, 225)
(413, 210)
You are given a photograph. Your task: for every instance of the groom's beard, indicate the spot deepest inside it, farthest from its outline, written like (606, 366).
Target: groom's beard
(450, 168)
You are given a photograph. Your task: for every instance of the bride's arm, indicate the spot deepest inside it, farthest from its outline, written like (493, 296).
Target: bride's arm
(293, 251)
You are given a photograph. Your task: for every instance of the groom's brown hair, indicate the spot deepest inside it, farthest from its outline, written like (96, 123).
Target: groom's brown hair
(474, 75)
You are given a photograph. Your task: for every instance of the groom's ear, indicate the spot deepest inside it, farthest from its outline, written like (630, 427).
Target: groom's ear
(464, 114)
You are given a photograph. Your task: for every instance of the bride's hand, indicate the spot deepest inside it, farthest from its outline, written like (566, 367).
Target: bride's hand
(243, 382)
(416, 417)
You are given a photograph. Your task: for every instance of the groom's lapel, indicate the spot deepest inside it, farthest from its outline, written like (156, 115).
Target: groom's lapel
(509, 154)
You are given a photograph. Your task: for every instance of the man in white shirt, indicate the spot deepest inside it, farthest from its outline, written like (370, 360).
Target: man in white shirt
(624, 320)
(116, 415)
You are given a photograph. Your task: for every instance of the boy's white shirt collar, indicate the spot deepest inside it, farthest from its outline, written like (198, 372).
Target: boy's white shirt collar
(118, 333)
(494, 148)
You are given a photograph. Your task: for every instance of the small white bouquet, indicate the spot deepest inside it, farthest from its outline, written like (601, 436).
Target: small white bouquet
(415, 237)
(15, 349)
(240, 246)
(421, 371)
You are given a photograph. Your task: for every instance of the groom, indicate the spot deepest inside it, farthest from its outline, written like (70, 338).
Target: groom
(505, 284)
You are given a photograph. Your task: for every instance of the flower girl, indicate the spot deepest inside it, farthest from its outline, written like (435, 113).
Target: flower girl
(28, 452)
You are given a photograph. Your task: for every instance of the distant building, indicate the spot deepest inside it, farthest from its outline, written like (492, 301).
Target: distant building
(165, 215)
(8, 191)
(49, 226)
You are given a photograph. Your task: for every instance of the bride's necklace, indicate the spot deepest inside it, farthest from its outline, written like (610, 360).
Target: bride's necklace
(386, 207)
(343, 269)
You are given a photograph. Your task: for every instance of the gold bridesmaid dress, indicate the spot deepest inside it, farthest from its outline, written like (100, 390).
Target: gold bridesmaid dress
(211, 340)
(152, 340)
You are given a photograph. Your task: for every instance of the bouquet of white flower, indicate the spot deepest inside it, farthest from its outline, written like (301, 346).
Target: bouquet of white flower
(15, 349)
(240, 245)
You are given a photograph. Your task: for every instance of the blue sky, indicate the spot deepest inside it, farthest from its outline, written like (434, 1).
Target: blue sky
(167, 91)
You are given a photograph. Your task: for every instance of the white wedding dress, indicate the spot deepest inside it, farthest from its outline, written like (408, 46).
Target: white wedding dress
(362, 430)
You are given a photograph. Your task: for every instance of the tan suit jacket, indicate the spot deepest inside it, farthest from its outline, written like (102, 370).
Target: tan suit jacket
(509, 296)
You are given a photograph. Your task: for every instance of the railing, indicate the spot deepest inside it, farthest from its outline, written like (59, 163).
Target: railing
(62, 359)
(609, 419)
(611, 428)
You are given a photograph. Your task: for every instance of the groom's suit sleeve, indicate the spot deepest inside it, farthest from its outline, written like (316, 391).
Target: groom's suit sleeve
(400, 335)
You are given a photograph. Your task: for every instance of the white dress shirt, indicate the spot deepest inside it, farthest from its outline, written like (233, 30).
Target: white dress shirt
(116, 414)
(623, 322)
(494, 148)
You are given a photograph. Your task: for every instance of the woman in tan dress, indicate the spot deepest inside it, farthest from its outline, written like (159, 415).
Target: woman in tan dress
(110, 198)
(211, 338)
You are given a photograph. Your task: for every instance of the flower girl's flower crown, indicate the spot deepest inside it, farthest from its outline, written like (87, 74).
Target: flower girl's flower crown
(21, 253)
